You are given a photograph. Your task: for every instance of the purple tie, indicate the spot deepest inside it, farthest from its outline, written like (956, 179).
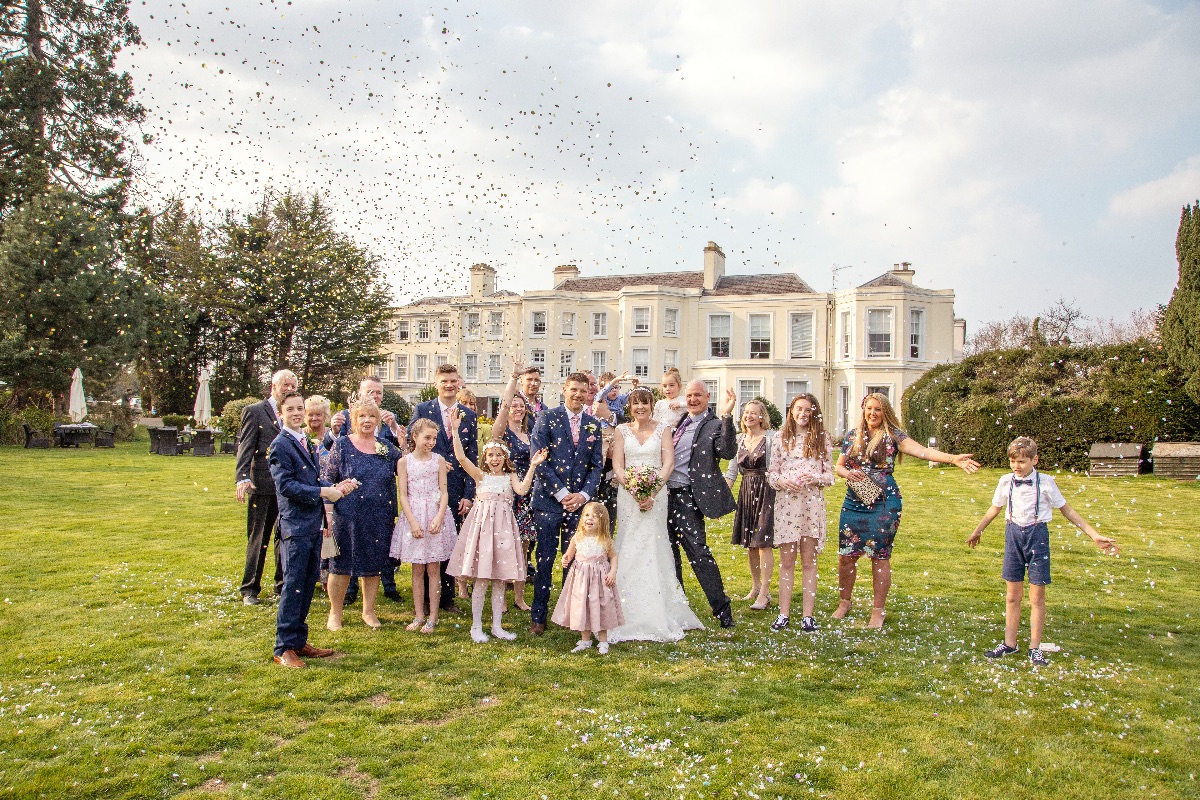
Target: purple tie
(682, 426)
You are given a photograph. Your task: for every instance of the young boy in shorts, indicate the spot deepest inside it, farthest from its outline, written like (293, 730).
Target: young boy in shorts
(1027, 498)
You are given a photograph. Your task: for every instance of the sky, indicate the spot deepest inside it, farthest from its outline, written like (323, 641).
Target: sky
(1015, 152)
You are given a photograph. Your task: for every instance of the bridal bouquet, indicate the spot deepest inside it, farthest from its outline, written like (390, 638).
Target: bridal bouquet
(642, 482)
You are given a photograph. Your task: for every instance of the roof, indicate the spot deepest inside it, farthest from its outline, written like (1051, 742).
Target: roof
(447, 299)
(1176, 449)
(728, 285)
(1115, 450)
(886, 279)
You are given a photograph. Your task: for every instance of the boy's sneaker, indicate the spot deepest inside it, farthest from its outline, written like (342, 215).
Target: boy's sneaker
(1037, 657)
(1001, 650)
(808, 624)
(780, 623)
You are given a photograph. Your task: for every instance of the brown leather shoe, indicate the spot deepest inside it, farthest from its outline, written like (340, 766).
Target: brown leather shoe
(537, 629)
(289, 659)
(308, 651)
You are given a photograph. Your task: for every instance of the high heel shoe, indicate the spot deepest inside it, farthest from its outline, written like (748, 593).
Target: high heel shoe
(762, 603)
(415, 624)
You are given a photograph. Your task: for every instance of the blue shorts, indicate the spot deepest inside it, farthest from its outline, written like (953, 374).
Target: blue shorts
(1027, 547)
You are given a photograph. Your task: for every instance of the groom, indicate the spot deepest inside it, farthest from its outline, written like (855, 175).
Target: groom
(697, 489)
(567, 481)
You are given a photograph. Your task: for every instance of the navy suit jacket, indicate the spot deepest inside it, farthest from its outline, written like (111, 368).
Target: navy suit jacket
(459, 485)
(577, 468)
(298, 484)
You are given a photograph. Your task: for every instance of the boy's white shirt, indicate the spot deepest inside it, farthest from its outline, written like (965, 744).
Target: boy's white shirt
(1023, 500)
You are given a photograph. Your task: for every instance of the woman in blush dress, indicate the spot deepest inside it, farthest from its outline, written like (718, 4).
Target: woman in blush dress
(753, 522)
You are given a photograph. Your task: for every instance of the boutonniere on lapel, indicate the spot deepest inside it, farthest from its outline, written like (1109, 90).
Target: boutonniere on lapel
(591, 429)
(315, 442)
(381, 449)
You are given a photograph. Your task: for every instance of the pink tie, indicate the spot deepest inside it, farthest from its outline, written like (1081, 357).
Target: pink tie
(575, 430)
(446, 420)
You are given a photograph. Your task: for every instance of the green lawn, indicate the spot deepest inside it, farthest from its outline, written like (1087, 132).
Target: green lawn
(129, 668)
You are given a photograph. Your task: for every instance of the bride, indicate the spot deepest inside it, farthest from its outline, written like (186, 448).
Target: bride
(653, 602)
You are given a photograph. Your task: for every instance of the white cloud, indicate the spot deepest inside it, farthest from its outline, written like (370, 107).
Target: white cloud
(1162, 196)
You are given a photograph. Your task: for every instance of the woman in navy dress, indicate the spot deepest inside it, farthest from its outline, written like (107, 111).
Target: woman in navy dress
(869, 453)
(362, 525)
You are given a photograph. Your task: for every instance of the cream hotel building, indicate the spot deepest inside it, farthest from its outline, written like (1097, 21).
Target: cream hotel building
(763, 334)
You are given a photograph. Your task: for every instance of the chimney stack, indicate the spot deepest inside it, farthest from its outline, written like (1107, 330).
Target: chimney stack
(483, 280)
(903, 271)
(714, 266)
(565, 272)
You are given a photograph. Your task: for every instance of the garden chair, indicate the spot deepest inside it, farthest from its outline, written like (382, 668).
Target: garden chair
(202, 443)
(32, 440)
(106, 438)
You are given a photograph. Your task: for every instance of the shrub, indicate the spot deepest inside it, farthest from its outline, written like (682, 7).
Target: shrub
(174, 420)
(773, 413)
(428, 392)
(1066, 398)
(395, 403)
(231, 414)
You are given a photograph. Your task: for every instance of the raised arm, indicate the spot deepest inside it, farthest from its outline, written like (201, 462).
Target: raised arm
(963, 461)
(466, 463)
(522, 486)
(510, 391)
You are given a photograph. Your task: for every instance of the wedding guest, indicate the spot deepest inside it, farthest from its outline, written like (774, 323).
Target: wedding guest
(589, 603)
(800, 467)
(671, 409)
(530, 387)
(389, 430)
(424, 535)
(466, 397)
(259, 426)
(869, 453)
(363, 521)
(512, 428)
(488, 548)
(459, 483)
(301, 492)
(698, 490)
(317, 414)
(611, 395)
(753, 522)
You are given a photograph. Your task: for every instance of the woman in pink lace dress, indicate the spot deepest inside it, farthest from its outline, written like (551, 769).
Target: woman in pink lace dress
(801, 466)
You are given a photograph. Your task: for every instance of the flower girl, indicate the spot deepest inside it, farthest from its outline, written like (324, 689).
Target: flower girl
(489, 544)
(589, 603)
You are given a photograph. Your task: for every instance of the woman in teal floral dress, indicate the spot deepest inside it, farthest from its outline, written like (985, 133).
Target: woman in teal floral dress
(869, 452)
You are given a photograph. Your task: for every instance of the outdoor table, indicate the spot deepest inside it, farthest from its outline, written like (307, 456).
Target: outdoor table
(74, 434)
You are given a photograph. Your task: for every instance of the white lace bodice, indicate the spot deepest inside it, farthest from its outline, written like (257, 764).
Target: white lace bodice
(496, 484)
(589, 547)
(643, 454)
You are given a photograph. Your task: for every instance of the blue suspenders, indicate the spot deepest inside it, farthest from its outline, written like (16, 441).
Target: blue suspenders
(1037, 497)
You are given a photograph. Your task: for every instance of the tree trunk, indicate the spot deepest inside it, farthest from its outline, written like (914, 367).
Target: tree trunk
(33, 42)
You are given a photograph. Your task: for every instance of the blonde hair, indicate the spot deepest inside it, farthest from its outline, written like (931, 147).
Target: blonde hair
(863, 449)
(672, 372)
(1022, 447)
(321, 402)
(509, 467)
(467, 398)
(420, 426)
(362, 408)
(815, 441)
(604, 534)
(762, 408)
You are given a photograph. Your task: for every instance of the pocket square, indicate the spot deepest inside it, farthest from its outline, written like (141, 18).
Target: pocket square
(591, 439)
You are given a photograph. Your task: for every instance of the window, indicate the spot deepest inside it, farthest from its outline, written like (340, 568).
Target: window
(760, 335)
(711, 386)
(599, 325)
(423, 330)
(495, 329)
(599, 361)
(916, 326)
(471, 366)
(443, 329)
(718, 335)
(879, 332)
(886, 391)
(402, 331)
(537, 358)
(748, 389)
(792, 390)
(846, 334)
(566, 363)
(421, 368)
(401, 368)
(641, 362)
(641, 321)
(670, 359)
(381, 371)
(471, 325)
(439, 360)
(844, 408)
(671, 322)
(495, 368)
(568, 323)
(539, 323)
(801, 333)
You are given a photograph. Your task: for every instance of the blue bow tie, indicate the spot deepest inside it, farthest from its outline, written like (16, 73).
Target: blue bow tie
(1020, 482)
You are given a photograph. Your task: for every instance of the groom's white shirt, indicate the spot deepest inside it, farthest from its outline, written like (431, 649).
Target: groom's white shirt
(680, 477)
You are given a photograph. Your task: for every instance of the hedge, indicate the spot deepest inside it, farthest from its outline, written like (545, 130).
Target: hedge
(1066, 398)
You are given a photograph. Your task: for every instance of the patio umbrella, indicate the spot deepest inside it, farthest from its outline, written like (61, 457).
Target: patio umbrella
(202, 411)
(78, 407)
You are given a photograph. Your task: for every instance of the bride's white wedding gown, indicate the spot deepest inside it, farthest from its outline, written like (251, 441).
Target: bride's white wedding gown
(653, 602)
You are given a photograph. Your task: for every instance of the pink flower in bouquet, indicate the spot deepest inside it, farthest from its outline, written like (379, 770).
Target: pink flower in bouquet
(642, 482)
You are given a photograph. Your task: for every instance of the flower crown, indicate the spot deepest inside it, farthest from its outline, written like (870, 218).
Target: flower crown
(496, 445)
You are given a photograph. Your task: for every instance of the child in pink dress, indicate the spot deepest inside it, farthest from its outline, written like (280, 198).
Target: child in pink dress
(424, 535)
(589, 603)
(489, 544)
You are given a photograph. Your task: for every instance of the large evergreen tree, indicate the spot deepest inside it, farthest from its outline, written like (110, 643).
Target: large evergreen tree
(1181, 321)
(66, 297)
(65, 112)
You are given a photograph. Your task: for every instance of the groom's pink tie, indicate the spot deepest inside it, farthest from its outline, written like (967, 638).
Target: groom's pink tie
(575, 430)
(446, 420)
